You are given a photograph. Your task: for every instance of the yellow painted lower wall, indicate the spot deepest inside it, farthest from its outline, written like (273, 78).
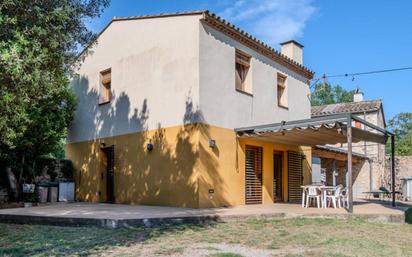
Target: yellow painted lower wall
(164, 176)
(222, 168)
(182, 169)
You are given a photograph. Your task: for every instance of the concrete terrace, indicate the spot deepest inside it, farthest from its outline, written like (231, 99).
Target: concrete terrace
(117, 215)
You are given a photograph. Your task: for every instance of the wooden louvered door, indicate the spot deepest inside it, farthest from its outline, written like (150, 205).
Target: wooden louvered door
(253, 175)
(295, 176)
(277, 176)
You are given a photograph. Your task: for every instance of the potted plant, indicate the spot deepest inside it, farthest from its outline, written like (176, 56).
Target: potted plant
(29, 199)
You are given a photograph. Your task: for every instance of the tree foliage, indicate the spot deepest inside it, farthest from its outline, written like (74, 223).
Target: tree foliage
(401, 126)
(325, 93)
(39, 40)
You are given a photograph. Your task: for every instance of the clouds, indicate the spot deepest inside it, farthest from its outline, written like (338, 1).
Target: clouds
(272, 21)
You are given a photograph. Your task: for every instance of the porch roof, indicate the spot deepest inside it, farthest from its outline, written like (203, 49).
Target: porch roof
(325, 130)
(316, 131)
(339, 154)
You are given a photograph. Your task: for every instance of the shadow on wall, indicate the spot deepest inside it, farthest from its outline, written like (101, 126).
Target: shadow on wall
(98, 121)
(212, 186)
(167, 175)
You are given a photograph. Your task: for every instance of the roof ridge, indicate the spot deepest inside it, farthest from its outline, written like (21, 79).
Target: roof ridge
(365, 101)
(351, 107)
(158, 15)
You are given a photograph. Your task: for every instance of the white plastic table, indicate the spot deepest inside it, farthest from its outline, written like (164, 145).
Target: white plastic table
(325, 190)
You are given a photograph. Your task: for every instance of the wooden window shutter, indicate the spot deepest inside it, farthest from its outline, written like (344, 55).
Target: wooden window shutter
(242, 58)
(281, 90)
(295, 176)
(105, 86)
(242, 68)
(253, 176)
(106, 76)
(281, 80)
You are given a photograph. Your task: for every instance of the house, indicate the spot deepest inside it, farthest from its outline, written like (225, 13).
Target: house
(369, 157)
(159, 98)
(188, 110)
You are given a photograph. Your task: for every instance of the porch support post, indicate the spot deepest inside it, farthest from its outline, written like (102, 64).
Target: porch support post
(393, 169)
(349, 181)
(334, 172)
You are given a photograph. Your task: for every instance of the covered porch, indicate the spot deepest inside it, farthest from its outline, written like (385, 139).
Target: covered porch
(329, 166)
(328, 130)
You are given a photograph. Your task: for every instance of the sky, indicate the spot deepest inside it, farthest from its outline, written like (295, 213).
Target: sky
(340, 37)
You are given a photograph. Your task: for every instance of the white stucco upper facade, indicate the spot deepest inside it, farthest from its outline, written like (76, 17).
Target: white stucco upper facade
(223, 106)
(155, 77)
(176, 70)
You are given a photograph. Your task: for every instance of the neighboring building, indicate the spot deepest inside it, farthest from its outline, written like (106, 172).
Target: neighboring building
(369, 157)
(159, 98)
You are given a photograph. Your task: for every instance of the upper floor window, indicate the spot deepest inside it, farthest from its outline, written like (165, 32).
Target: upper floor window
(281, 88)
(105, 86)
(242, 71)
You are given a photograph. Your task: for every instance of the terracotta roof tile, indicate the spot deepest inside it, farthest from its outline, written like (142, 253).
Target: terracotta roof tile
(354, 107)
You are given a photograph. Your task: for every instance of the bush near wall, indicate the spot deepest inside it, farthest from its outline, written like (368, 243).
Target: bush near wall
(50, 169)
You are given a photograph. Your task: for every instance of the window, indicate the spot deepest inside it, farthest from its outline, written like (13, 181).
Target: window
(242, 70)
(281, 86)
(105, 86)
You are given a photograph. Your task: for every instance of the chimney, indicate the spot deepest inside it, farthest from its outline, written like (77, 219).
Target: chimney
(358, 95)
(293, 50)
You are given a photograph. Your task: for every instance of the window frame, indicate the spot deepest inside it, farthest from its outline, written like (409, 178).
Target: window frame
(283, 86)
(105, 86)
(244, 60)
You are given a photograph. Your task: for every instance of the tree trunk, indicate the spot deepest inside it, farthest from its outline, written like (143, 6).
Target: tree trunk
(21, 168)
(20, 178)
(33, 171)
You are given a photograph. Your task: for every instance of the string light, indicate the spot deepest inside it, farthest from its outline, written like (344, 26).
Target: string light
(353, 75)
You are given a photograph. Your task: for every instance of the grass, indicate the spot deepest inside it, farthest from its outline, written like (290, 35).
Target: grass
(279, 237)
(226, 255)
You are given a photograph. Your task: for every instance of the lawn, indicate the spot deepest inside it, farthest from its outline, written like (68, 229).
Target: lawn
(252, 237)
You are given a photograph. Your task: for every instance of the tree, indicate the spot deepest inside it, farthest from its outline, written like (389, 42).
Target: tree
(39, 41)
(325, 93)
(401, 126)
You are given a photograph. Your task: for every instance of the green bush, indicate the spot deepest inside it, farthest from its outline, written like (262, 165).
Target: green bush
(408, 216)
(55, 168)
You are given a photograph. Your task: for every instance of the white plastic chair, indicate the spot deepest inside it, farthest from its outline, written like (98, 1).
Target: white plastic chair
(335, 197)
(304, 192)
(313, 193)
(344, 197)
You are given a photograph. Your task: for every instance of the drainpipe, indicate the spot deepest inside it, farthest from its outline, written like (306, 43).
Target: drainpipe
(364, 142)
(393, 174)
(349, 163)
